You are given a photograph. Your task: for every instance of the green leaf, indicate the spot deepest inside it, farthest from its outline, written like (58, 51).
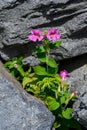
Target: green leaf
(40, 49)
(52, 103)
(32, 89)
(27, 81)
(55, 44)
(58, 43)
(51, 62)
(21, 71)
(41, 57)
(9, 65)
(62, 99)
(39, 70)
(57, 124)
(67, 113)
(19, 60)
(52, 70)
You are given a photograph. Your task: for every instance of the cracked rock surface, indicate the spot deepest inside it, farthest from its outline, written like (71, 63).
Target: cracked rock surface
(18, 17)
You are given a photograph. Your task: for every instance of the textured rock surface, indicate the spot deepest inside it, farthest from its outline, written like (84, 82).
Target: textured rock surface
(78, 83)
(19, 110)
(18, 17)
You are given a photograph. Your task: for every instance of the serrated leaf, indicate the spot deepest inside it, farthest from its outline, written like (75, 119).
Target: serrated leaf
(9, 65)
(51, 62)
(52, 103)
(39, 70)
(27, 80)
(20, 69)
(67, 113)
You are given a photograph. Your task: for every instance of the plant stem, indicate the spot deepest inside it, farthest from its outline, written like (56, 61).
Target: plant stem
(47, 62)
(46, 43)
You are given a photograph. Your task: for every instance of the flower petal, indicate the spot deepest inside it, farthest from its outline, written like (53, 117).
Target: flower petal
(53, 34)
(40, 38)
(32, 38)
(63, 74)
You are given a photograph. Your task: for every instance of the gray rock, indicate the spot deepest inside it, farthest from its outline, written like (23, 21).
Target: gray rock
(18, 17)
(78, 78)
(31, 61)
(19, 110)
(78, 83)
(80, 107)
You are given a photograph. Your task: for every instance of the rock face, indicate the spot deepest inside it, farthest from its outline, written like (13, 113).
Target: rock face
(78, 83)
(18, 17)
(19, 110)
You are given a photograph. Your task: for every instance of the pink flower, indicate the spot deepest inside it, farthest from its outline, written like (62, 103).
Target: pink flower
(63, 74)
(53, 34)
(35, 36)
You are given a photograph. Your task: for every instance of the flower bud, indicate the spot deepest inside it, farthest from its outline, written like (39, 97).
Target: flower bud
(15, 66)
(73, 94)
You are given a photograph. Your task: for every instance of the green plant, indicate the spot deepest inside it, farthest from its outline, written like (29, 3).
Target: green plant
(56, 97)
(43, 51)
(44, 81)
(49, 86)
(15, 66)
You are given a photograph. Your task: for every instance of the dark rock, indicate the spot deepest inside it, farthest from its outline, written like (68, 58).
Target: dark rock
(18, 17)
(19, 110)
(74, 63)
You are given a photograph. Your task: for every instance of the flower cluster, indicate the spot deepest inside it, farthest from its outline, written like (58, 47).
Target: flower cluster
(51, 34)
